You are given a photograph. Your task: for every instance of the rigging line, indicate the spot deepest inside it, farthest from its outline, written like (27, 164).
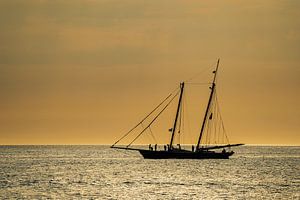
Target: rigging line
(181, 128)
(219, 119)
(223, 127)
(179, 125)
(191, 83)
(212, 113)
(152, 121)
(152, 135)
(183, 125)
(191, 78)
(145, 117)
(180, 121)
(187, 116)
(208, 134)
(215, 121)
(149, 136)
(211, 122)
(219, 127)
(206, 117)
(142, 125)
(208, 122)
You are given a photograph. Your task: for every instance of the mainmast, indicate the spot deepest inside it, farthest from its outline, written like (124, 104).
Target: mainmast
(177, 113)
(208, 105)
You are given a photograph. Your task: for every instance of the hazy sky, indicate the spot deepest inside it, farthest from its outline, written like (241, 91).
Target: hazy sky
(84, 72)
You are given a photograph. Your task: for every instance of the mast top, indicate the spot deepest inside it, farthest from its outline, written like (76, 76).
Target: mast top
(215, 72)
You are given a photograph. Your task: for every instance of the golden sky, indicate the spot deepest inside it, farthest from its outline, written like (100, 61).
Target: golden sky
(85, 71)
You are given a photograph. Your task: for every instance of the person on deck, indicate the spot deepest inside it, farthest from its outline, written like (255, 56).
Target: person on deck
(179, 147)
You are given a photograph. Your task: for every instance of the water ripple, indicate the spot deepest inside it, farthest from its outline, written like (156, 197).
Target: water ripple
(98, 172)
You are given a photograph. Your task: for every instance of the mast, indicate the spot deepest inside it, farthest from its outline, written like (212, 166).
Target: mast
(208, 105)
(177, 113)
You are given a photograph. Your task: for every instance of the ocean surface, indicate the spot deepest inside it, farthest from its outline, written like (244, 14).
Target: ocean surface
(98, 172)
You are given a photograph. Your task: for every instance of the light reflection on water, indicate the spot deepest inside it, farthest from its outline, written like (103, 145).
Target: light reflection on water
(98, 172)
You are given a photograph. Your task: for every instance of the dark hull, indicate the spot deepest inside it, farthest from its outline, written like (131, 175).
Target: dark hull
(147, 154)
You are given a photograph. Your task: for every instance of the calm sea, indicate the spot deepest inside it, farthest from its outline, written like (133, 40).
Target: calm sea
(98, 172)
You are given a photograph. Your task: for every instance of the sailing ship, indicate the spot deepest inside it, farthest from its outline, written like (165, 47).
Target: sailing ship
(200, 150)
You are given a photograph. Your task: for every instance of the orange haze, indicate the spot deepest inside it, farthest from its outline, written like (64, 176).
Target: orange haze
(84, 72)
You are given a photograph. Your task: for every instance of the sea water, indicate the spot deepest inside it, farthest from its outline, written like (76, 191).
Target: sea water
(98, 172)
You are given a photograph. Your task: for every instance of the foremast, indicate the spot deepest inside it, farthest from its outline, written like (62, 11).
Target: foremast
(208, 106)
(177, 114)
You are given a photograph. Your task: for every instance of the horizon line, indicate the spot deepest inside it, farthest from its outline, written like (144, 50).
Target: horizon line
(105, 144)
